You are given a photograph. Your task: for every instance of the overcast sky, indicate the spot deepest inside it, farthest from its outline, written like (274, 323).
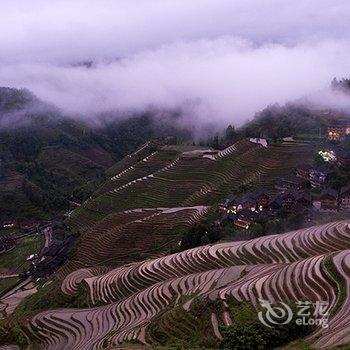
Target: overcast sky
(220, 59)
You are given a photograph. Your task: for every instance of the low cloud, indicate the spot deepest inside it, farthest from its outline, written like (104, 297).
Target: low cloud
(216, 61)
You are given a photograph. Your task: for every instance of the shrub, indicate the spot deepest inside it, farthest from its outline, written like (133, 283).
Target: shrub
(249, 333)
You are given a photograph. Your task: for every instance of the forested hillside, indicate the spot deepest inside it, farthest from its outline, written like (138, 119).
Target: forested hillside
(48, 158)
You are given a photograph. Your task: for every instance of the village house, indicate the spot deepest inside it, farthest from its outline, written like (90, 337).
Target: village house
(329, 200)
(316, 176)
(344, 198)
(306, 213)
(245, 218)
(275, 204)
(229, 205)
(303, 171)
(328, 156)
(259, 207)
(291, 183)
(289, 198)
(249, 201)
(338, 129)
(262, 142)
(244, 223)
(262, 199)
(9, 224)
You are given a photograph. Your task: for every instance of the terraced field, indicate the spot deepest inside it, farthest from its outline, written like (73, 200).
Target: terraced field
(121, 271)
(311, 264)
(167, 178)
(134, 235)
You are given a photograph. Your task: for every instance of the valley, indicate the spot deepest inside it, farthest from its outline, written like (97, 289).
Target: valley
(172, 244)
(174, 175)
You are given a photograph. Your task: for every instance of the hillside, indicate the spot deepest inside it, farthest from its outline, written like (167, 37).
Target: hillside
(127, 279)
(157, 192)
(120, 276)
(162, 300)
(292, 119)
(39, 171)
(170, 178)
(48, 158)
(133, 235)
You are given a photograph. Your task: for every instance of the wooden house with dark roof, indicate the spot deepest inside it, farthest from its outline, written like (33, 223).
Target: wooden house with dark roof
(338, 129)
(247, 201)
(303, 171)
(318, 177)
(329, 199)
(262, 198)
(245, 218)
(344, 198)
(292, 183)
(9, 224)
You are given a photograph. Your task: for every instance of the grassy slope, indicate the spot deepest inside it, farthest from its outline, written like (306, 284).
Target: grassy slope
(14, 261)
(7, 283)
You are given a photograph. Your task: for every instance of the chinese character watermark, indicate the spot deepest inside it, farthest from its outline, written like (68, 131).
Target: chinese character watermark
(306, 313)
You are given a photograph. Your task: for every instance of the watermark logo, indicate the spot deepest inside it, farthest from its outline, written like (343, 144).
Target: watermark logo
(274, 314)
(305, 313)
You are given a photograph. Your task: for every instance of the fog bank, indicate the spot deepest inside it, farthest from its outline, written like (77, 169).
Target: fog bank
(215, 60)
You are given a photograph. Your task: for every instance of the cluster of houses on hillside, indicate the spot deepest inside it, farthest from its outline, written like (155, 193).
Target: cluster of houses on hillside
(314, 177)
(336, 156)
(54, 252)
(292, 194)
(261, 206)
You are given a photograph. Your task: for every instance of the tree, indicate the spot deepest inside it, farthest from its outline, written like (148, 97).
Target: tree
(294, 221)
(215, 142)
(254, 335)
(230, 133)
(200, 234)
(257, 229)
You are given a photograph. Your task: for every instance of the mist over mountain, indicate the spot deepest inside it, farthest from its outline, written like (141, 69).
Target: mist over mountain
(135, 56)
